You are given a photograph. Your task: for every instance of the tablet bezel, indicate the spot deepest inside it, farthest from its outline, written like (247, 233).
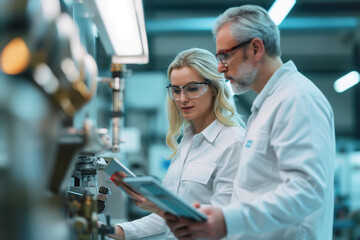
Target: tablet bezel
(114, 165)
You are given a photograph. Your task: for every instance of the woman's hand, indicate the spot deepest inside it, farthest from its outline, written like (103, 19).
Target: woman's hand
(139, 199)
(119, 233)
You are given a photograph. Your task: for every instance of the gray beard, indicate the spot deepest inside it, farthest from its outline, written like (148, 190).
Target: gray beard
(244, 79)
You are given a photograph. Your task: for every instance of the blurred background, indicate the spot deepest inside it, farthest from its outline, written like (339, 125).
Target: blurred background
(45, 131)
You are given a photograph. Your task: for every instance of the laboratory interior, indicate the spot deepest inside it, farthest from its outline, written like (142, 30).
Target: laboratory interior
(83, 82)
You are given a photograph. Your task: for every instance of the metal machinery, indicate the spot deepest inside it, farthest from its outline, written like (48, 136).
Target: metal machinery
(48, 166)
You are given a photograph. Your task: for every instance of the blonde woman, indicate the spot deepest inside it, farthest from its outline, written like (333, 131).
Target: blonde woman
(200, 111)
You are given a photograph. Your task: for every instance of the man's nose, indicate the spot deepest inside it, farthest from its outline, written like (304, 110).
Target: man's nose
(222, 67)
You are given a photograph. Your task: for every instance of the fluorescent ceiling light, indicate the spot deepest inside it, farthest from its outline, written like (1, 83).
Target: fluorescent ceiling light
(347, 81)
(280, 9)
(204, 24)
(121, 28)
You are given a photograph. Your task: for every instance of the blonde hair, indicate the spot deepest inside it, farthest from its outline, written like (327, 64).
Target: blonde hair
(205, 63)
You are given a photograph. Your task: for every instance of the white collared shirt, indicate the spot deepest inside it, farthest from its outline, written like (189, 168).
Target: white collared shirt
(202, 171)
(284, 185)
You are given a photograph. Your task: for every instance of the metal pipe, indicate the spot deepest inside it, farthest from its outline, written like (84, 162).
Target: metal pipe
(118, 88)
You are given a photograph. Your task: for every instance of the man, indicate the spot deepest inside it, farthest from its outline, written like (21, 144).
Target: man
(284, 185)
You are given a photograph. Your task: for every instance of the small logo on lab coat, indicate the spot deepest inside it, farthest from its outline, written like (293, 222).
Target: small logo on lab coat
(248, 143)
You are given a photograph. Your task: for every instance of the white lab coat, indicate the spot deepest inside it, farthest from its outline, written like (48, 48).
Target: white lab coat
(202, 171)
(284, 185)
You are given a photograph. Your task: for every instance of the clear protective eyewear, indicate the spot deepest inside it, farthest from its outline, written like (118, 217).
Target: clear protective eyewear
(191, 90)
(224, 55)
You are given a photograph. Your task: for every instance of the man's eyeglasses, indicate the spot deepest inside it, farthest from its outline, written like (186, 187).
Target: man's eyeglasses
(223, 55)
(191, 90)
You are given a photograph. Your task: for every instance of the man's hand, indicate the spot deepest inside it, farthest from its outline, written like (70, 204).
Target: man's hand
(139, 199)
(185, 229)
(179, 226)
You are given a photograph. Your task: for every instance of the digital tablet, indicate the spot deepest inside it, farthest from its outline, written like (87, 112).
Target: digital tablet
(155, 192)
(114, 165)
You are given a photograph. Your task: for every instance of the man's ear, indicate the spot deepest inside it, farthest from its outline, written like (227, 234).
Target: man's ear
(258, 48)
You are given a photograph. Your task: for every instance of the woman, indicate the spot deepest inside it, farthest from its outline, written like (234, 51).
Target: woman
(203, 166)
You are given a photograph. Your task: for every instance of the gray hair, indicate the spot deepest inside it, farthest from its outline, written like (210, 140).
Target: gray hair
(248, 22)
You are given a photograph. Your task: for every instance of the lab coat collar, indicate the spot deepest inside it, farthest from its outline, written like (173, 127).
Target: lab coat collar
(188, 132)
(273, 83)
(210, 132)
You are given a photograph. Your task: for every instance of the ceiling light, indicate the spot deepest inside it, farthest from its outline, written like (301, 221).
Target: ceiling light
(347, 81)
(280, 9)
(121, 28)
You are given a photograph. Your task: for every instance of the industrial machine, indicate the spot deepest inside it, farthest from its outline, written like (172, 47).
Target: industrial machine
(51, 145)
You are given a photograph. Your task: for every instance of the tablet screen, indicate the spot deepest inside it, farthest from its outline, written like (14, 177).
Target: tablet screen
(154, 191)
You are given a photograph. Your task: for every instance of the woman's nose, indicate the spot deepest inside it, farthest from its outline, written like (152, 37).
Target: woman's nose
(183, 97)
